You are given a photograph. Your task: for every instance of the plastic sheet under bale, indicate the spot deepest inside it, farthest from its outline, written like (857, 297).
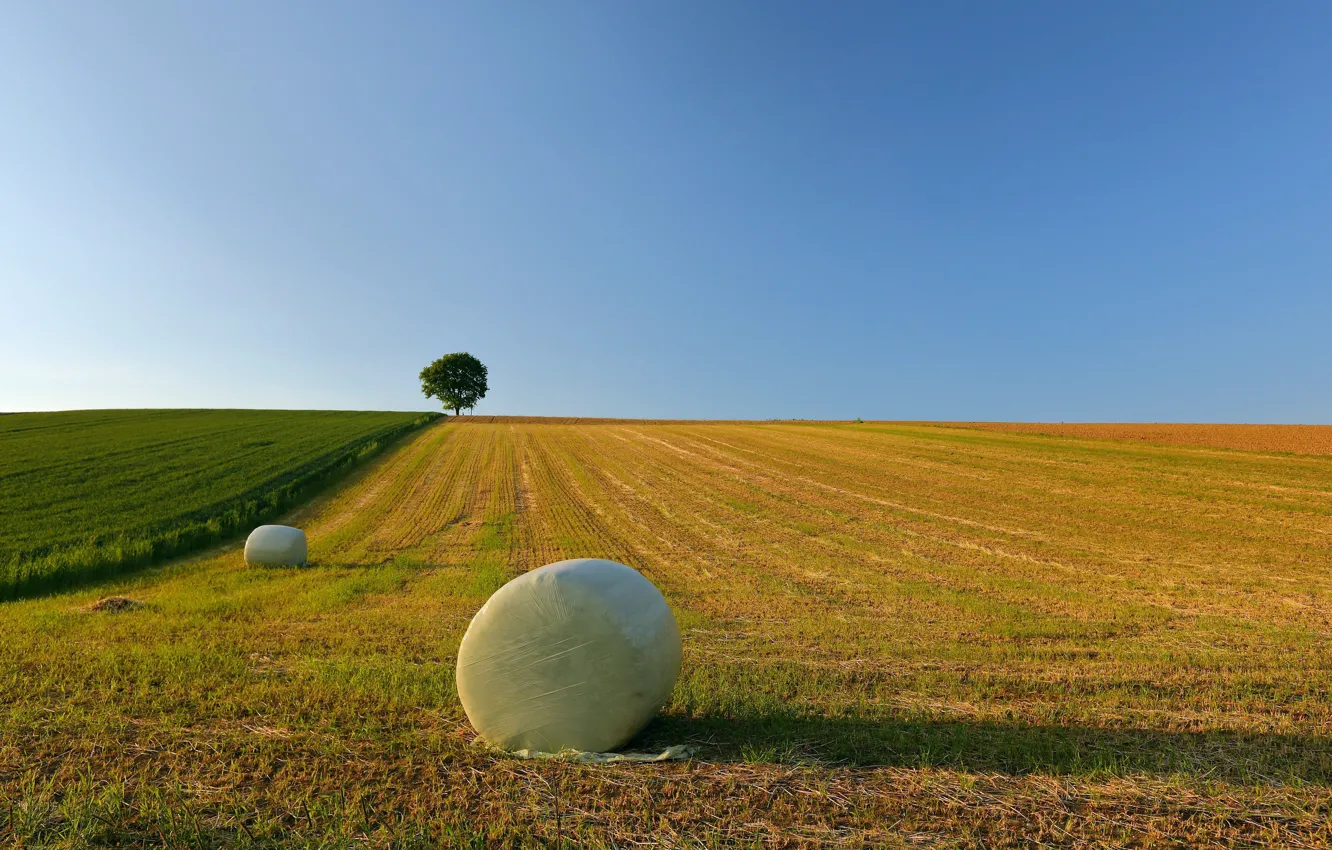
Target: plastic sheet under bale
(276, 545)
(679, 752)
(577, 655)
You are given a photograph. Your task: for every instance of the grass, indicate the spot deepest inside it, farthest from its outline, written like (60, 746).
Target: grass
(85, 494)
(895, 636)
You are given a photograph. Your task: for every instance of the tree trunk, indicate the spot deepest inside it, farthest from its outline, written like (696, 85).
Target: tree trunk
(457, 411)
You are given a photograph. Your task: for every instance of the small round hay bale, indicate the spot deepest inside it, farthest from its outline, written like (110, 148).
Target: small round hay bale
(276, 546)
(577, 655)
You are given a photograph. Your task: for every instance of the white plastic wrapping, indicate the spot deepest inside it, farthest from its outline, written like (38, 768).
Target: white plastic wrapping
(577, 655)
(276, 545)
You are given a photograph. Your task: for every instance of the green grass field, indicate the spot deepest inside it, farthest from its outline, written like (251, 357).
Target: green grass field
(895, 636)
(86, 493)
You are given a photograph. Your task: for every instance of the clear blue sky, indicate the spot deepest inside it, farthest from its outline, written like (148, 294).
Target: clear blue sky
(1029, 211)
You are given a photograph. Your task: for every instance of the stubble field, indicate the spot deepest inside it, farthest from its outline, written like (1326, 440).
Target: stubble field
(1290, 439)
(894, 636)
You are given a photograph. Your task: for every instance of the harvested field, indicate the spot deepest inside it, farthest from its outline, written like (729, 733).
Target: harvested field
(1292, 439)
(582, 420)
(895, 636)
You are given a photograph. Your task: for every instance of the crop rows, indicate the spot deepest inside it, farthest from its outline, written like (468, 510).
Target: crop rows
(895, 636)
(1293, 439)
(89, 493)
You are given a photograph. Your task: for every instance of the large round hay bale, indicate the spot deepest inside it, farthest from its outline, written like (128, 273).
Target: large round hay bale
(577, 655)
(276, 545)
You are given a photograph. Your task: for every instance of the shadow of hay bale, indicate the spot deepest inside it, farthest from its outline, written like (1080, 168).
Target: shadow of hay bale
(986, 746)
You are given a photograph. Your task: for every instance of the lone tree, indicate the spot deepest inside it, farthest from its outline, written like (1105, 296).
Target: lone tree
(458, 380)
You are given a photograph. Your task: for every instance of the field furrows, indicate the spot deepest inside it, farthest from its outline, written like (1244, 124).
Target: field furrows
(790, 513)
(721, 514)
(1294, 439)
(1097, 512)
(371, 501)
(895, 636)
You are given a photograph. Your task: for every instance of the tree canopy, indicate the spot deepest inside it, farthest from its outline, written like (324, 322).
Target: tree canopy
(458, 380)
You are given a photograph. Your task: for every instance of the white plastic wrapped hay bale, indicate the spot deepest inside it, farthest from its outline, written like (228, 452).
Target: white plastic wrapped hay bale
(577, 655)
(276, 545)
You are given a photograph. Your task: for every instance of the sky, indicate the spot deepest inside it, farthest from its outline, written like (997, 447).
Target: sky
(1032, 211)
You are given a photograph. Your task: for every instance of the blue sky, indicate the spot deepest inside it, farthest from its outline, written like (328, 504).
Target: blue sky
(1017, 211)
